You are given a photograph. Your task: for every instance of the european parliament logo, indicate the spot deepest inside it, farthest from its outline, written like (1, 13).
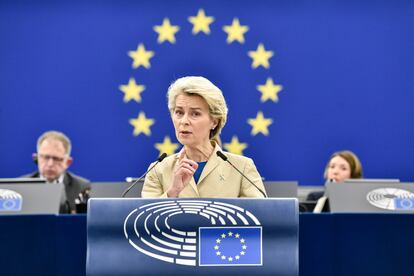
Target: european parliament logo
(391, 199)
(232, 237)
(10, 200)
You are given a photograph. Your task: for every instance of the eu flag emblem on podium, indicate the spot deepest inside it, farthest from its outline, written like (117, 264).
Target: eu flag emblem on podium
(404, 203)
(230, 246)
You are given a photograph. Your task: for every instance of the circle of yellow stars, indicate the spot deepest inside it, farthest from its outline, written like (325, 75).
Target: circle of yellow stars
(221, 255)
(141, 57)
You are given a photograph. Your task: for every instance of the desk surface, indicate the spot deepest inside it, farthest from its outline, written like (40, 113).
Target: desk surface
(329, 244)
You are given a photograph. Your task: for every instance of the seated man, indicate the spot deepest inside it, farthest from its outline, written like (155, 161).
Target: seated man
(53, 159)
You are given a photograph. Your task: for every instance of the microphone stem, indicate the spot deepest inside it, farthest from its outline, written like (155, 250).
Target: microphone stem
(251, 182)
(136, 181)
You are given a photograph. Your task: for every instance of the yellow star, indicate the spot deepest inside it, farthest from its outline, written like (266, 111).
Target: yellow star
(201, 22)
(141, 57)
(141, 124)
(260, 124)
(132, 91)
(235, 31)
(269, 90)
(166, 146)
(166, 31)
(260, 57)
(235, 146)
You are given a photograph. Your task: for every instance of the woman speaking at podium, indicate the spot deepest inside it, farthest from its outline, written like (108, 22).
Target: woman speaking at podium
(201, 169)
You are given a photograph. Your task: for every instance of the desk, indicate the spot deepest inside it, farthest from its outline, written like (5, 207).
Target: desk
(43, 245)
(356, 244)
(330, 244)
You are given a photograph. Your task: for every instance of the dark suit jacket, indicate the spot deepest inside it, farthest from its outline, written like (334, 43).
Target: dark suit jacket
(74, 184)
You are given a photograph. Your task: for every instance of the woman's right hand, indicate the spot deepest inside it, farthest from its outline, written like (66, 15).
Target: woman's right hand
(183, 172)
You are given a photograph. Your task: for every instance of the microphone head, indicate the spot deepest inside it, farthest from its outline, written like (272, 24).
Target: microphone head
(35, 158)
(221, 155)
(162, 157)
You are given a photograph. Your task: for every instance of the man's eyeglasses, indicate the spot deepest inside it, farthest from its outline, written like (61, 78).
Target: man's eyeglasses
(55, 159)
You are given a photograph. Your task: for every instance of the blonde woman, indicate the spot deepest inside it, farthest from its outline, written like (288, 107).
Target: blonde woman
(199, 112)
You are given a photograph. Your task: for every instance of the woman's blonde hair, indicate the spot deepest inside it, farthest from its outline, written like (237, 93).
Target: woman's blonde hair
(204, 88)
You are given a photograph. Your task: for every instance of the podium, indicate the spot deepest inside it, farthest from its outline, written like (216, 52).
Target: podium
(198, 236)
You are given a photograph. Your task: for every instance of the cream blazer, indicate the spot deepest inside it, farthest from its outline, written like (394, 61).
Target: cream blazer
(218, 179)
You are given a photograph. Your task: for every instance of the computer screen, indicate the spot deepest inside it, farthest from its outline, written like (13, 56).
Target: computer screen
(21, 180)
(20, 197)
(372, 180)
(115, 189)
(371, 197)
(281, 188)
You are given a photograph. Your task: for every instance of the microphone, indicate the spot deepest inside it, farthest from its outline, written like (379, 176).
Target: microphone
(162, 157)
(225, 158)
(35, 158)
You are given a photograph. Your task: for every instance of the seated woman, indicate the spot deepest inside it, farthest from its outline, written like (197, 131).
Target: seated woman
(341, 166)
(199, 112)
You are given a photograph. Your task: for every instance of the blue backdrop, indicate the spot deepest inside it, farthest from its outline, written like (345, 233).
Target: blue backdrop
(344, 70)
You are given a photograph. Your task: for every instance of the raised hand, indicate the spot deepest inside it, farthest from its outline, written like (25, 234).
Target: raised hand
(183, 172)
